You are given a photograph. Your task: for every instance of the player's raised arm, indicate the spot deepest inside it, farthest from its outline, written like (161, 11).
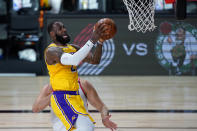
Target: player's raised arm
(110, 32)
(94, 58)
(54, 55)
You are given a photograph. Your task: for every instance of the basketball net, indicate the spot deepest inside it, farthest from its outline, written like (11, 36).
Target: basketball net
(141, 15)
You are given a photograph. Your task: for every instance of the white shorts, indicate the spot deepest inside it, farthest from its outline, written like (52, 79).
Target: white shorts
(83, 123)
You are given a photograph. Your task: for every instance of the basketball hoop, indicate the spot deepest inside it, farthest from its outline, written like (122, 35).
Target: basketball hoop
(141, 15)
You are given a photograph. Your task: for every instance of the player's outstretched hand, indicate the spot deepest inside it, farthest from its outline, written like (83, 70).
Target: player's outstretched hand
(98, 33)
(108, 123)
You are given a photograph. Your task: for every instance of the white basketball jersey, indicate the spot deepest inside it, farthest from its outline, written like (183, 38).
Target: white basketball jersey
(57, 124)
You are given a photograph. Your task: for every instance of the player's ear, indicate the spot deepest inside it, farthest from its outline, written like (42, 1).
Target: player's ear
(52, 34)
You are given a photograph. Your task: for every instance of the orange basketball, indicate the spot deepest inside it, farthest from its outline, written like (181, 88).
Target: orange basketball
(111, 31)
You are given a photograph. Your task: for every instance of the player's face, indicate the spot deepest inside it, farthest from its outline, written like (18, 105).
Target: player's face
(180, 34)
(61, 34)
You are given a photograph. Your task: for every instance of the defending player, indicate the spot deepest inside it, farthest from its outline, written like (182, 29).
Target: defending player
(87, 92)
(62, 60)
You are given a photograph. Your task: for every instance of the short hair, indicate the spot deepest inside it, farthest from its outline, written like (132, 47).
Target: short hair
(50, 26)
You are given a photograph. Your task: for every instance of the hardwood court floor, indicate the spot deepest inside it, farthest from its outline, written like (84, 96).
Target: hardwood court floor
(137, 103)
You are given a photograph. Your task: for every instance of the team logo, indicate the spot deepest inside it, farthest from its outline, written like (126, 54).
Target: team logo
(176, 47)
(107, 53)
(73, 117)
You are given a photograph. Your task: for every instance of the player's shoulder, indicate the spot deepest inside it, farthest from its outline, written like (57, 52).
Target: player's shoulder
(51, 47)
(53, 50)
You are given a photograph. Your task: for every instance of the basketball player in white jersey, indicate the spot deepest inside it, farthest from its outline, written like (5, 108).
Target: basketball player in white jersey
(87, 92)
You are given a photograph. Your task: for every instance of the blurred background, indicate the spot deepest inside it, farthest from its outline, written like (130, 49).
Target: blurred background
(23, 37)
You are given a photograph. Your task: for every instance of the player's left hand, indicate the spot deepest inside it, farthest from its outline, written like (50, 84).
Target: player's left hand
(101, 40)
(108, 123)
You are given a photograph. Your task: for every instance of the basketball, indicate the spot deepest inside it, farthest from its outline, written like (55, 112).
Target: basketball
(111, 31)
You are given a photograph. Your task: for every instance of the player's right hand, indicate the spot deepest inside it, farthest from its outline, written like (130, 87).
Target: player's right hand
(108, 123)
(98, 32)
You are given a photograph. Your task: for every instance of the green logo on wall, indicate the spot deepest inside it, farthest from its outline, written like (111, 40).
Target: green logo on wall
(176, 47)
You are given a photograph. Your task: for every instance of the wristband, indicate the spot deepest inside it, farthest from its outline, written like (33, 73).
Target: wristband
(100, 43)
